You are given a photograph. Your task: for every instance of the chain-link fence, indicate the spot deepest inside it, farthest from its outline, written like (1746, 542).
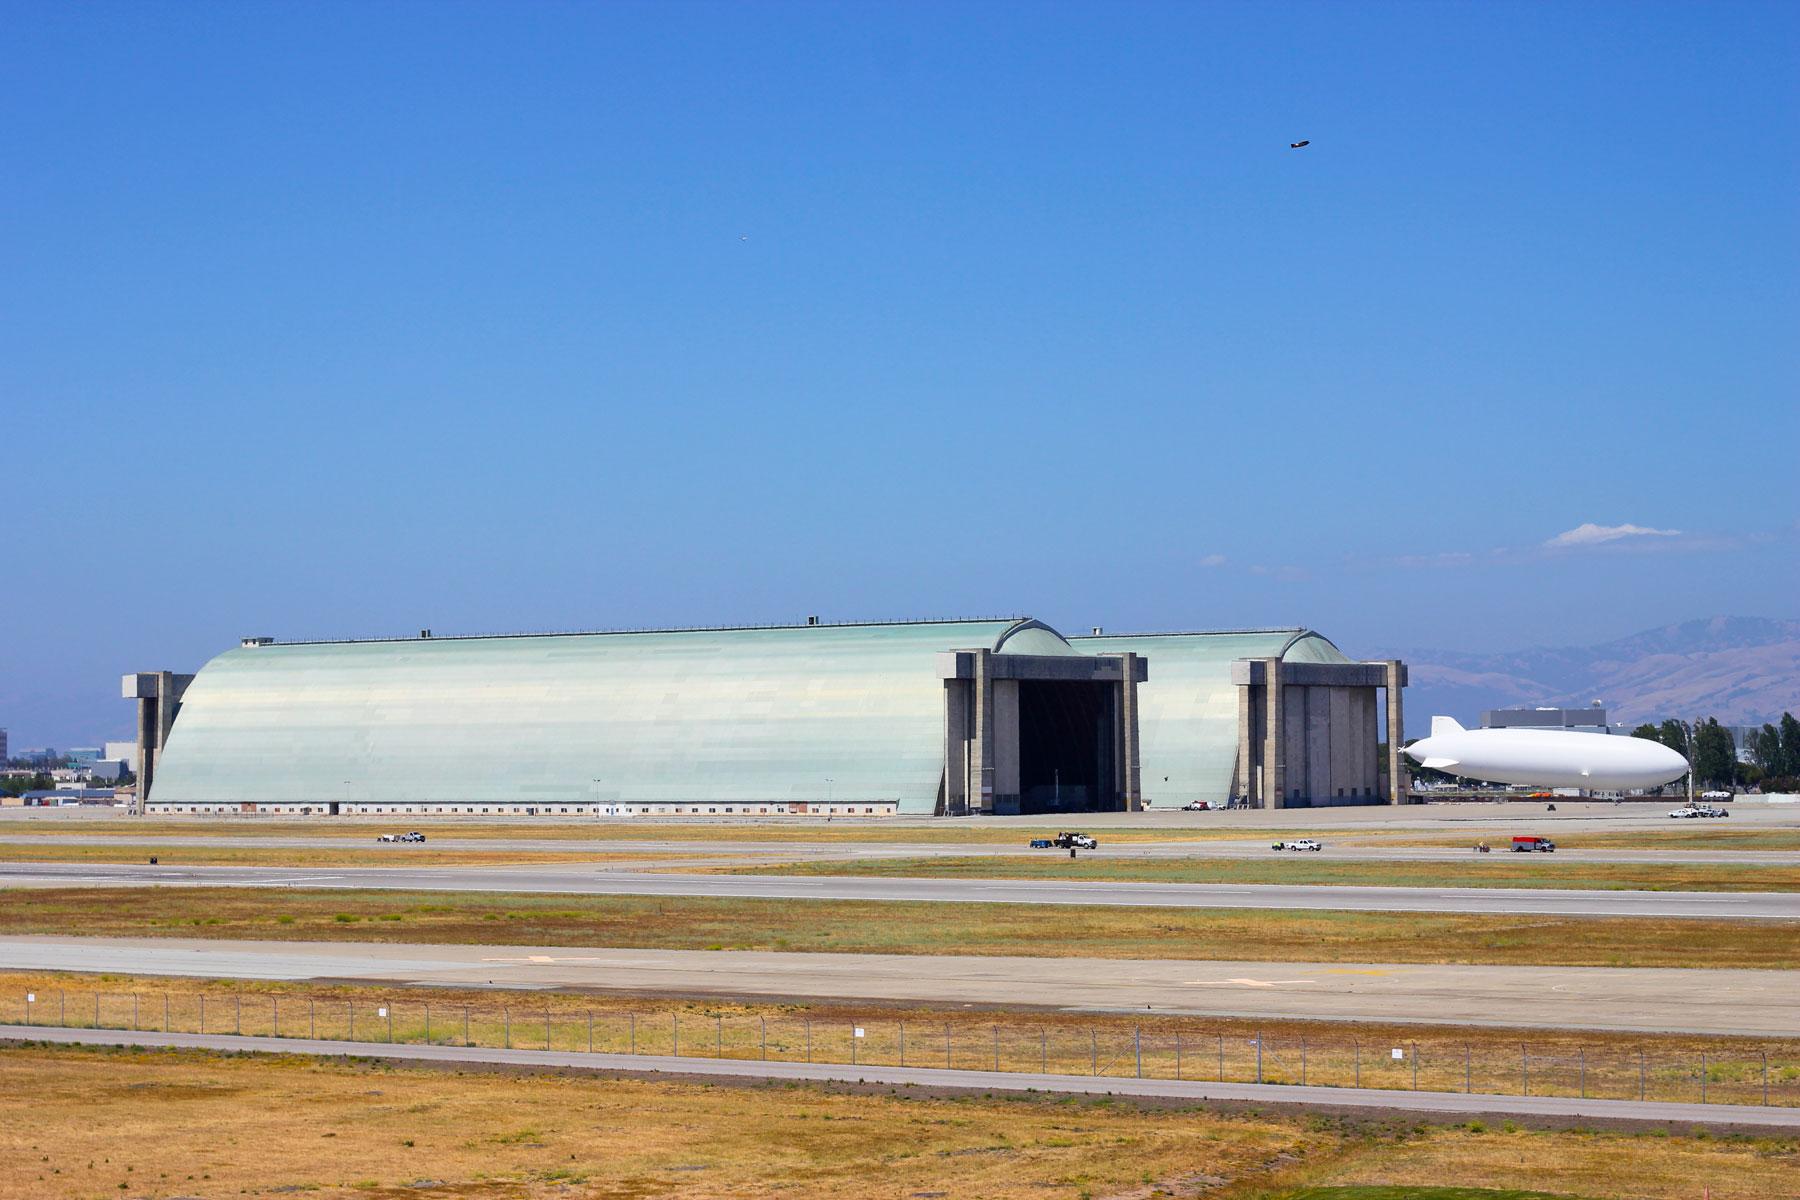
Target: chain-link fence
(1725, 1074)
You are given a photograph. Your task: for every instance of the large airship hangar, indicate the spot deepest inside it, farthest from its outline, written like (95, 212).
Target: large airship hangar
(1003, 716)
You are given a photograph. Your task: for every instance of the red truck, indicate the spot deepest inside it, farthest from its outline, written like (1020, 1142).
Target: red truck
(1525, 845)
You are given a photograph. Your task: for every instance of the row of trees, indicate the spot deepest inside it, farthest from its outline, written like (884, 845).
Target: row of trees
(1774, 752)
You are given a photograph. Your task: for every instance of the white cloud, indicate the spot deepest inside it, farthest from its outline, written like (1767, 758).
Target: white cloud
(1590, 534)
(1213, 560)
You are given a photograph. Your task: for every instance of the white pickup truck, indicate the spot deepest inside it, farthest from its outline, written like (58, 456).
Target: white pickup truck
(1299, 844)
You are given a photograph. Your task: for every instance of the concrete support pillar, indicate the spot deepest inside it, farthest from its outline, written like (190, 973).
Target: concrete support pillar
(1396, 738)
(158, 695)
(981, 765)
(1005, 758)
(1244, 784)
(1130, 779)
(1274, 773)
(958, 733)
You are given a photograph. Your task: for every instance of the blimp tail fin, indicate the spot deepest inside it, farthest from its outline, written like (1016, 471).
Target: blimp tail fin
(1443, 725)
(1441, 764)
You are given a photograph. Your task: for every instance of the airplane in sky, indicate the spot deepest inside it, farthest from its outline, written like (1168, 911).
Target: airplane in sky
(1547, 757)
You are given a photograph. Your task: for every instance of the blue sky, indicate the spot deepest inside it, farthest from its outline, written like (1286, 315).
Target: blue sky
(356, 319)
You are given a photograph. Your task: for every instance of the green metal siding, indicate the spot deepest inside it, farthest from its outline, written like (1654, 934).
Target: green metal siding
(729, 715)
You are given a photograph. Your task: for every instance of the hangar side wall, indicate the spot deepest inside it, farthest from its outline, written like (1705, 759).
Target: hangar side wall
(802, 713)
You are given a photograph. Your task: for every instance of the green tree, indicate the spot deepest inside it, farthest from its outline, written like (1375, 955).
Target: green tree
(1646, 731)
(1790, 745)
(1715, 755)
(1765, 750)
(1673, 734)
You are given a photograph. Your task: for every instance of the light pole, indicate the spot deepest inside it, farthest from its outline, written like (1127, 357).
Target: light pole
(828, 791)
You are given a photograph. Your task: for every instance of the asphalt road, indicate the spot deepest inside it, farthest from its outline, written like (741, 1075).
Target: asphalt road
(579, 880)
(727, 850)
(1437, 1104)
(1746, 1002)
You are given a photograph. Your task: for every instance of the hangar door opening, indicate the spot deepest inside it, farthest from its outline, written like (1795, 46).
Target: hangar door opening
(1067, 734)
(1030, 733)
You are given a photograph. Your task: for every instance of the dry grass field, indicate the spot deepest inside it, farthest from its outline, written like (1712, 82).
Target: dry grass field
(701, 923)
(82, 1123)
(1487, 870)
(351, 855)
(1679, 835)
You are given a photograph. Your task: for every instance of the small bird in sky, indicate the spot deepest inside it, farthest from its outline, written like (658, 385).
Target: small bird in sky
(1297, 145)
(743, 237)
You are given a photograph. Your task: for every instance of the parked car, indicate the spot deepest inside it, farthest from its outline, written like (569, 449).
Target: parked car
(1042, 844)
(388, 837)
(1299, 844)
(1196, 806)
(414, 836)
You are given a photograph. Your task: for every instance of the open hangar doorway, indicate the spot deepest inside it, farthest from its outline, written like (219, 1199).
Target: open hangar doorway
(1040, 733)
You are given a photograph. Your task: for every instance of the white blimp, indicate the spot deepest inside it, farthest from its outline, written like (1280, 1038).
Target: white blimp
(1547, 757)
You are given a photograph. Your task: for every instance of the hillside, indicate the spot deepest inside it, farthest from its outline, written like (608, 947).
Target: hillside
(1742, 670)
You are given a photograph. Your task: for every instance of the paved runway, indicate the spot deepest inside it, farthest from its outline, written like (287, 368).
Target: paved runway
(578, 880)
(727, 850)
(1440, 1104)
(1757, 1003)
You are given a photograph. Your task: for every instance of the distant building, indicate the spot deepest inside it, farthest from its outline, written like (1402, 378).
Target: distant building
(121, 750)
(108, 770)
(1591, 719)
(80, 756)
(3, 754)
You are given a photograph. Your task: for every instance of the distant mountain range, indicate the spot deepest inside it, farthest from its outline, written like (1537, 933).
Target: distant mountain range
(1742, 670)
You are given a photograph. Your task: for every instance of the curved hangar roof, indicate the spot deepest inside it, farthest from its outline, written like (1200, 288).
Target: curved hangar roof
(678, 715)
(1188, 708)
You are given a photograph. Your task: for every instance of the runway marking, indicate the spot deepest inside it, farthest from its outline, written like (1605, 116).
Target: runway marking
(1257, 983)
(1359, 971)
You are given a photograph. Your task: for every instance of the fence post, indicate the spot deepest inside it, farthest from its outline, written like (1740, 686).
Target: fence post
(1468, 1069)
(947, 1058)
(390, 1008)
(1178, 1054)
(1765, 1063)
(237, 1013)
(1259, 1056)
(96, 1010)
(1415, 1057)
(590, 1017)
(465, 1025)
(275, 1010)
(1221, 1058)
(853, 1045)
(62, 1008)
(134, 1013)
(808, 1022)
(677, 1035)
(1524, 1069)
(202, 1012)
(1582, 1052)
(1640, 1073)
(1703, 1077)
(506, 1018)
(763, 1024)
(1356, 1049)
(312, 1024)
(633, 1017)
(428, 1022)
(902, 1044)
(546, 1031)
(1044, 1057)
(719, 1035)
(349, 1007)
(1303, 1062)
(996, 1047)
(1093, 1050)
